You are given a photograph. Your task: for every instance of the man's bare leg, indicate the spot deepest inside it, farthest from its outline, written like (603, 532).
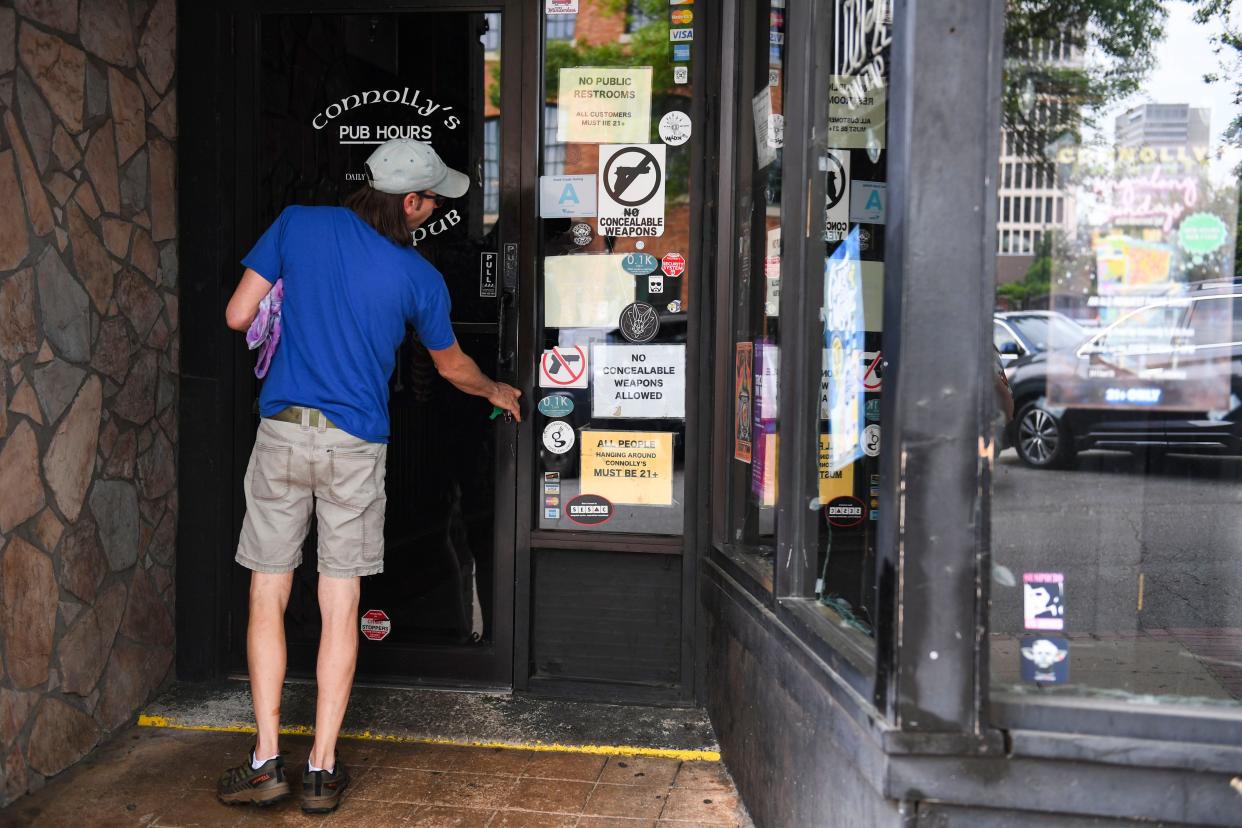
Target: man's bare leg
(334, 673)
(265, 651)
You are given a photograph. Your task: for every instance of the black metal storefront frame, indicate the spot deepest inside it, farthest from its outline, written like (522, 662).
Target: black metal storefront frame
(213, 40)
(909, 734)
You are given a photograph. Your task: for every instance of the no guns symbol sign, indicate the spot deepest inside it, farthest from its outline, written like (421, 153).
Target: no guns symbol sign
(563, 368)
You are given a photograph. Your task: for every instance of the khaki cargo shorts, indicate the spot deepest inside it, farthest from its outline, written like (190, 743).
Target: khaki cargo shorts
(297, 471)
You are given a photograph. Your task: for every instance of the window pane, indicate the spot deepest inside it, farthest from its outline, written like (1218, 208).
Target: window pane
(851, 338)
(1116, 527)
(610, 423)
(757, 290)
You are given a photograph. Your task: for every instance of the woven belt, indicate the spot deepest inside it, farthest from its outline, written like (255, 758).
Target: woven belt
(293, 414)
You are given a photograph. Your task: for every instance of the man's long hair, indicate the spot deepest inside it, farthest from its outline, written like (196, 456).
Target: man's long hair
(383, 211)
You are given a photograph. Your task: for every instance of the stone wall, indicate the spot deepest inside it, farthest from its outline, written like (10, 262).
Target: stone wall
(89, 343)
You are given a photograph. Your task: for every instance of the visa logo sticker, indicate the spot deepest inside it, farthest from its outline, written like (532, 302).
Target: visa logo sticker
(681, 35)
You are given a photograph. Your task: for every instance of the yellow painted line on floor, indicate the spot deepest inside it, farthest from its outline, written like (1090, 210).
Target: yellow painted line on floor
(166, 722)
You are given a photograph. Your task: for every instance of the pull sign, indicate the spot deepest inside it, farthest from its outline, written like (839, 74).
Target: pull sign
(511, 266)
(487, 275)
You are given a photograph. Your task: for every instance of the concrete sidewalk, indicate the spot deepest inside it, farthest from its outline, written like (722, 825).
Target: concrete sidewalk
(164, 777)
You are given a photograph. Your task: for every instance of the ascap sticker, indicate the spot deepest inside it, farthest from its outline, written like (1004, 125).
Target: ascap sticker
(1045, 660)
(556, 405)
(376, 625)
(639, 322)
(563, 368)
(631, 190)
(604, 105)
(675, 128)
(1043, 600)
(558, 437)
(640, 264)
(638, 381)
(845, 512)
(588, 510)
(629, 466)
(673, 264)
(566, 196)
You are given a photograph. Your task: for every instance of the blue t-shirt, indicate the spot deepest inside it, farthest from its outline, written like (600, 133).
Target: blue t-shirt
(349, 294)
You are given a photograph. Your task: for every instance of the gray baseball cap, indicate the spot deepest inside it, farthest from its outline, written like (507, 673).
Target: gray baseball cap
(403, 166)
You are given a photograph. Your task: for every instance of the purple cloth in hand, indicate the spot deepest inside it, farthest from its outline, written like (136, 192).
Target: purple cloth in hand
(264, 331)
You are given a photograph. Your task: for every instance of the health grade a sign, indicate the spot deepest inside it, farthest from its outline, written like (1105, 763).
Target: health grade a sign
(599, 105)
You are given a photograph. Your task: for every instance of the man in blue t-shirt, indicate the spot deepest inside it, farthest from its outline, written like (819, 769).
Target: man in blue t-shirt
(352, 283)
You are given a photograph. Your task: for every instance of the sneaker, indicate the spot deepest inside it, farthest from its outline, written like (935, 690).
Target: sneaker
(322, 790)
(265, 785)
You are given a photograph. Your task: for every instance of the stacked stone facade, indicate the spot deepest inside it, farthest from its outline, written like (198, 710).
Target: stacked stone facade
(89, 343)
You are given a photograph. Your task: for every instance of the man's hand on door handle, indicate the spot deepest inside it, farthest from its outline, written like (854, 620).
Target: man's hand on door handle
(458, 368)
(505, 398)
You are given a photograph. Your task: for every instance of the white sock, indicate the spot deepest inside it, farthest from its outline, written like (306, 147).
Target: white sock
(256, 762)
(310, 766)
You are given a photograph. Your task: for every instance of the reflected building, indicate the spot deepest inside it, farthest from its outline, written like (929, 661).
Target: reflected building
(1163, 125)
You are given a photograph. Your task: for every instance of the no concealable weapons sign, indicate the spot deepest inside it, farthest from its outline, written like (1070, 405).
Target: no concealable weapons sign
(631, 190)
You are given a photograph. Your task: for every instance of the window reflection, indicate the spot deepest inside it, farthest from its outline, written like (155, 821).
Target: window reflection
(1115, 500)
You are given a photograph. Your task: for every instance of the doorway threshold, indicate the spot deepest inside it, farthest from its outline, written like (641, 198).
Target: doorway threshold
(464, 718)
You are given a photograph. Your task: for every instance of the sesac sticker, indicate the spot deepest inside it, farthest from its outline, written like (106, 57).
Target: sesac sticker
(675, 128)
(639, 322)
(556, 405)
(376, 625)
(589, 510)
(558, 437)
(1045, 660)
(845, 512)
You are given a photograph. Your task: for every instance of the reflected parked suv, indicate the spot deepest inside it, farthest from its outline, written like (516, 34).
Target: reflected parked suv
(1165, 376)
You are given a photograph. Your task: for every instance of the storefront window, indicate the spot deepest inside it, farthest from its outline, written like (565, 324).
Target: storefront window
(759, 142)
(1116, 527)
(615, 270)
(852, 160)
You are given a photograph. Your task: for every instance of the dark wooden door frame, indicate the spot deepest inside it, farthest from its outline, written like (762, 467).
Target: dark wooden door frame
(219, 43)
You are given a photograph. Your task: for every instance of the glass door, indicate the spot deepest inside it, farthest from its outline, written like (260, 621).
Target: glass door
(329, 88)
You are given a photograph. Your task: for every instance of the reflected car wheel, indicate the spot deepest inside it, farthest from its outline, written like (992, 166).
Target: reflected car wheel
(1042, 440)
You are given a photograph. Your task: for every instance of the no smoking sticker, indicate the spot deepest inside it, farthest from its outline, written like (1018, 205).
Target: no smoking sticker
(563, 368)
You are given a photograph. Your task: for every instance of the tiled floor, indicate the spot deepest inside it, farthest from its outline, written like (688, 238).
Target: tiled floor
(151, 777)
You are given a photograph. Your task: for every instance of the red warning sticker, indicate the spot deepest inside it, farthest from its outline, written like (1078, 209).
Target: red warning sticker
(673, 264)
(376, 625)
